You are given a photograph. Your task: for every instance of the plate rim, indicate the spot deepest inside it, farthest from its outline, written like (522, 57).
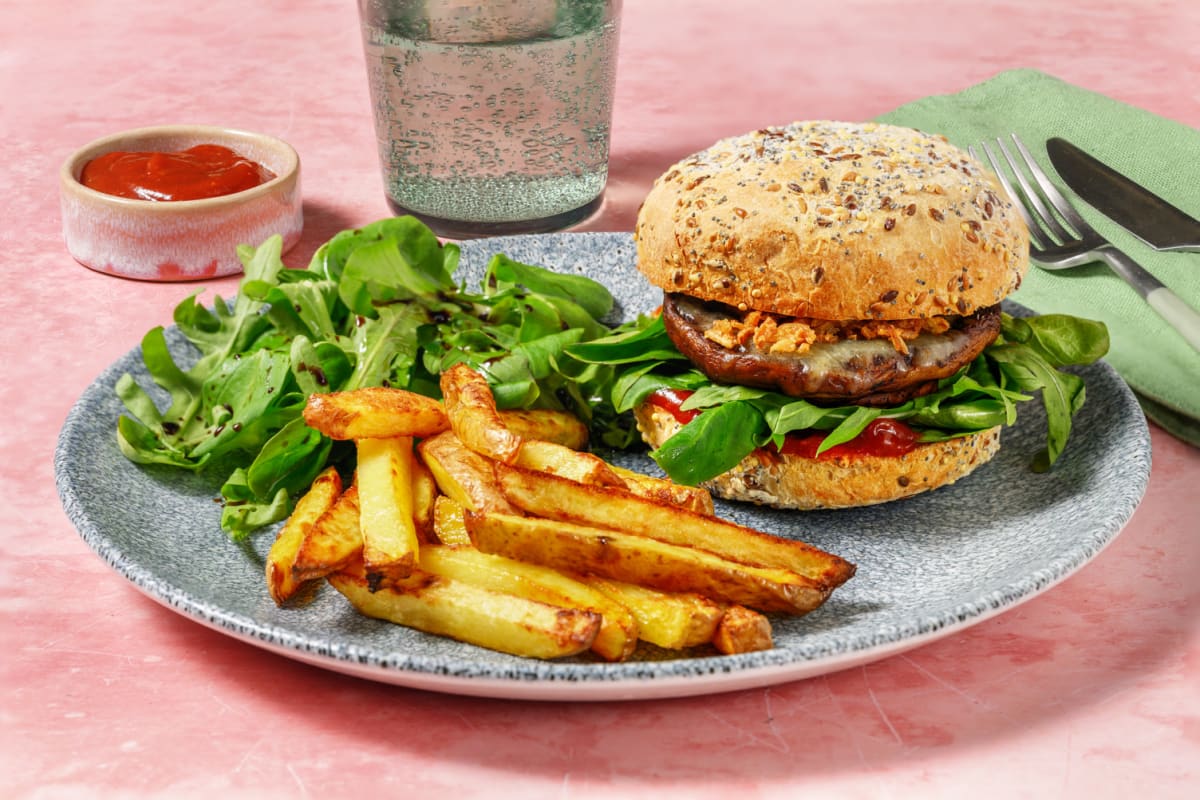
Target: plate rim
(576, 681)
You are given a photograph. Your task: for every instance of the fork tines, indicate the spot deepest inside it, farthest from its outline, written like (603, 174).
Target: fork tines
(1035, 199)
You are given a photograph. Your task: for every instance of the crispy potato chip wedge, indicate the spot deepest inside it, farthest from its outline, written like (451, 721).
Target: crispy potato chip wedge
(448, 523)
(673, 620)
(576, 465)
(546, 424)
(332, 542)
(604, 507)
(742, 631)
(618, 633)
(471, 409)
(662, 490)
(462, 474)
(385, 502)
(446, 607)
(374, 413)
(320, 497)
(642, 560)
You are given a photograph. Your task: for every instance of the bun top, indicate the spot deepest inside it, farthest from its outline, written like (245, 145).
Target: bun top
(835, 221)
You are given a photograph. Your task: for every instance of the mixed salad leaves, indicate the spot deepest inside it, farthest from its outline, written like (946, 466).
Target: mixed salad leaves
(377, 306)
(380, 306)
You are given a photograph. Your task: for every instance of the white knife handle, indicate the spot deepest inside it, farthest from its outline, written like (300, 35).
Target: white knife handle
(1174, 310)
(1166, 303)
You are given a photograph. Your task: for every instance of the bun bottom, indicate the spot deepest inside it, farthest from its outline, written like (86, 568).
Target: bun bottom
(785, 481)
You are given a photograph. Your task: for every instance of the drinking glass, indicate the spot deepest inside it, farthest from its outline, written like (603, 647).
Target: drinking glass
(492, 117)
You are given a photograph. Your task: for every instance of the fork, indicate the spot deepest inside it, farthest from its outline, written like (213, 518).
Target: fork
(1065, 240)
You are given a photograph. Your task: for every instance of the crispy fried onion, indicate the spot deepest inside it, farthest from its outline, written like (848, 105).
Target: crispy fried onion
(772, 333)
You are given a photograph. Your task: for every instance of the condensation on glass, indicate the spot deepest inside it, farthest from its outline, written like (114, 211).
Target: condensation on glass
(492, 117)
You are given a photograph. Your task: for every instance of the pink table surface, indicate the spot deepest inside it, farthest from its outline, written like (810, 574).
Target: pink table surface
(1089, 690)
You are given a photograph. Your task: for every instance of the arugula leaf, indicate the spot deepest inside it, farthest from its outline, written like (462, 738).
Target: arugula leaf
(1062, 394)
(644, 340)
(711, 443)
(800, 415)
(384, 349)
(1060, 339)
(589, 295)
(854, 424)
(634, 385)
(709, 395)
(244, 512)
(289, 460)
(419, 247)
(379, 273)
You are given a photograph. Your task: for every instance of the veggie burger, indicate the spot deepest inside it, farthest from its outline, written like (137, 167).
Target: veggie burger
(845, 265)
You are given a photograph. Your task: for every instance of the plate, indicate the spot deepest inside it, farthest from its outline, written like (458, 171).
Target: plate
(928, 566)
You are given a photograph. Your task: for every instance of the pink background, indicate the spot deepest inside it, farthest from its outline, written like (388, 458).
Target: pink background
(1090, 690)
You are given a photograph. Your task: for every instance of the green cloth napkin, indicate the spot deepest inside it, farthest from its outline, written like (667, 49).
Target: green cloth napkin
(1162, 155)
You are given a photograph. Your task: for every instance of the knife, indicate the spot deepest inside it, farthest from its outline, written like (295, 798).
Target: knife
(1134, 207)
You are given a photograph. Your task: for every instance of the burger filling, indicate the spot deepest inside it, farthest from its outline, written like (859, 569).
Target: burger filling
(863, 362)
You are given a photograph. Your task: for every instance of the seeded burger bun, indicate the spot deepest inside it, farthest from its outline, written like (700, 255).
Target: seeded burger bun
(846, 264)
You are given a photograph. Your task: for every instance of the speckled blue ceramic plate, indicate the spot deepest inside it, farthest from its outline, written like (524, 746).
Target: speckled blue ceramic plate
(927, 566)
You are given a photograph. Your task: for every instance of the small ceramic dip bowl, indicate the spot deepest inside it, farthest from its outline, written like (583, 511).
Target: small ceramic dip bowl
(179, 240)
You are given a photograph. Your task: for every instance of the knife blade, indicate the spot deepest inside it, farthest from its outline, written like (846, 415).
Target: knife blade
(1131, 205)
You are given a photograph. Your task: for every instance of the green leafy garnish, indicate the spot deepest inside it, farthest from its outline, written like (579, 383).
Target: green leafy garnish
(377, 306)
(1027, 357)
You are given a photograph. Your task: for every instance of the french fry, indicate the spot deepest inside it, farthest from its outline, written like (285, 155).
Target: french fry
(496, 528)
(462, 474)
(503, 622)
(425, 492)
(471, 409)
(742, 630)
(556, 498)
(320, 497)
(662, 490)
(642, 560)
(332, 542)
(548, 425)
(385, 501)
(618, 633)
(448, 523)
(374, 413)
(673, 620)
(556, 459)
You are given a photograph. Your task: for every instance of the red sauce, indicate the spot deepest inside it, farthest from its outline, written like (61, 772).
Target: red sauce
(670, 400)
(206, 170)
(882, 437)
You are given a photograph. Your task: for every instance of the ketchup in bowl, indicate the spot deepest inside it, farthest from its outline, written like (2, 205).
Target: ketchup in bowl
(206, 170)
(882, 437)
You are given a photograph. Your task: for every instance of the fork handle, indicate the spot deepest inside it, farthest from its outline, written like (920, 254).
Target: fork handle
(1168, 305)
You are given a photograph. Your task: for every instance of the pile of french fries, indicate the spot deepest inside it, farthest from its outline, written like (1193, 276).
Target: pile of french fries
(496, 528)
